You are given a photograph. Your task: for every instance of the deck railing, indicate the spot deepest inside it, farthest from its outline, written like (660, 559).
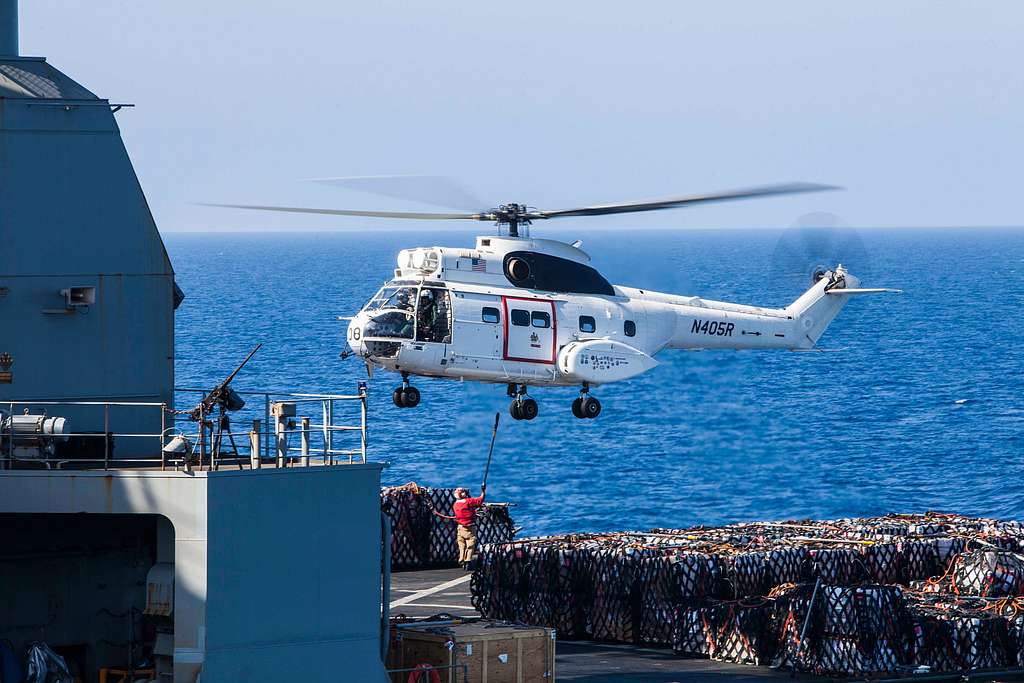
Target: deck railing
(274, 428)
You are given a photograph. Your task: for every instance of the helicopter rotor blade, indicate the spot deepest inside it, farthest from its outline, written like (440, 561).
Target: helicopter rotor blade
(658, 204)
(365, 214)
(514, 212)
(426, 189)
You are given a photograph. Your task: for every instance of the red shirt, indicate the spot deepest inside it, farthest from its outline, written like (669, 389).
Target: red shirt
(465, 509)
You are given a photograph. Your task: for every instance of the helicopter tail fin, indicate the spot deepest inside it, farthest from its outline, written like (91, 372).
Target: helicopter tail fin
(815, 309)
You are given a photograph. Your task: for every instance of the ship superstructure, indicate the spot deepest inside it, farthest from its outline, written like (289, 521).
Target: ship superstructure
(165, 544)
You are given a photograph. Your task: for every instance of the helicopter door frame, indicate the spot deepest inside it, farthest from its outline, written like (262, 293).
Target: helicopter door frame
(505, 325)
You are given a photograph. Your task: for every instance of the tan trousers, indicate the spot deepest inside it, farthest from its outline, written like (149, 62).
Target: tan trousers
(466, 539)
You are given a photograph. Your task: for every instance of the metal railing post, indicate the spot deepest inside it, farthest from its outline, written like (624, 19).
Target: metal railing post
(362, 420)
(281, 440)
(304, 443)
(202, 435)
(330, 431)
(266, 417)
(255, 457)
(10, 440)
(326, 428)
(163, 435)
(106, 436)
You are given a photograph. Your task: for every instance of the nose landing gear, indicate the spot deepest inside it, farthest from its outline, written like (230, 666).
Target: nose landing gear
(586, 406)
(523, 407)
(406, 396)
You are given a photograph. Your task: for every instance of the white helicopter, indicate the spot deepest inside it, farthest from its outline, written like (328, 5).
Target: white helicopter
(525, 312)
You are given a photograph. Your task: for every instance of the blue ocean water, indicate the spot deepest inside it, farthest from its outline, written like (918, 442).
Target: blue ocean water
(920, 408)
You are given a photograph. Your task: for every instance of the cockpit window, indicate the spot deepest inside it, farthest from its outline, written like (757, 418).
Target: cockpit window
(391, 324)
(402, 298)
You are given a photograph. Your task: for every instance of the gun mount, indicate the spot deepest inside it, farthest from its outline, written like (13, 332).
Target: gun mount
(219, 401)
(222, 396)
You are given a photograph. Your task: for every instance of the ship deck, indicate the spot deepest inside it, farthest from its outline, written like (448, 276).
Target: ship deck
(430, 592)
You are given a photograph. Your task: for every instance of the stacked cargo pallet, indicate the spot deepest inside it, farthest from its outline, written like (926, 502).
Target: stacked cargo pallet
(931, 592)
(421, 540)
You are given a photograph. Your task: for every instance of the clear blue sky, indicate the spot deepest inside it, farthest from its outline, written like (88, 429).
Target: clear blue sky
(916, 107)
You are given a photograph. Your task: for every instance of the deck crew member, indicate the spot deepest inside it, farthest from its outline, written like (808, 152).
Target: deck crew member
(464, 513)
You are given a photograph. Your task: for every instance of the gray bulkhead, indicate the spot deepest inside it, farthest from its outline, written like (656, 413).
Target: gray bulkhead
(73, 217)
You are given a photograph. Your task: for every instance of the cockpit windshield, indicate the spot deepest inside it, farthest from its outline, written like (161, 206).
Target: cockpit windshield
(390, 325)
(402, 298)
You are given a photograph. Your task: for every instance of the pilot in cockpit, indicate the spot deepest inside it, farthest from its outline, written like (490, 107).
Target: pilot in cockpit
(426, 313)
(403, 299)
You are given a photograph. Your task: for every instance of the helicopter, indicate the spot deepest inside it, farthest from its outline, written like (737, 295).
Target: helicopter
(531, 312)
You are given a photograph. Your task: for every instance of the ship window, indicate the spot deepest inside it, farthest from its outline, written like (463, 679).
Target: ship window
(491, 315)
(587, 323)
(629, 327)
(540, 319)
(519, 317)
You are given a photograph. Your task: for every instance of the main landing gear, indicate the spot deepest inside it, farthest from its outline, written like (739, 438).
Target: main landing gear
(586, 406)
(523, 407)
(406, 396)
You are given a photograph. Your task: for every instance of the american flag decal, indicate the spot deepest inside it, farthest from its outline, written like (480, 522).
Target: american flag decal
(479, 265)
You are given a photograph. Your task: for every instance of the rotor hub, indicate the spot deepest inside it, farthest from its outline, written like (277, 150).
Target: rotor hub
(514, 216)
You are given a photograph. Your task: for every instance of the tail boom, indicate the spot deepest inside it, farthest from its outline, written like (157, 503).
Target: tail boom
(703, 324)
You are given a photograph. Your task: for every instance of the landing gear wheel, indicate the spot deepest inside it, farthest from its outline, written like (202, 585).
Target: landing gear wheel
(528, 409)
(514, 410)
(591, 407)
(577, 408)
(396, 396)
(411, 398)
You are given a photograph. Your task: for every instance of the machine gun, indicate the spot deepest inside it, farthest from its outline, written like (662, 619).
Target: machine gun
(222, 399)
(222, 396)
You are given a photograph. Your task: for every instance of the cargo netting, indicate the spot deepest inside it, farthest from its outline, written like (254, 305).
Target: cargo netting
(420, 539)
(850, 597)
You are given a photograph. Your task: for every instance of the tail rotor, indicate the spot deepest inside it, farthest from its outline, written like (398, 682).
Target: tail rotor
(815, 244)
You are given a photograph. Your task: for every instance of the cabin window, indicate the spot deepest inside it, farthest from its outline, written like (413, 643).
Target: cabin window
(588, 324)
(519, 317)
(540, 319)
(629, 327)
(491, 315)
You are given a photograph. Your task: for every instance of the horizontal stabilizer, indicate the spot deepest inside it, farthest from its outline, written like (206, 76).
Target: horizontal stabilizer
(875, 290)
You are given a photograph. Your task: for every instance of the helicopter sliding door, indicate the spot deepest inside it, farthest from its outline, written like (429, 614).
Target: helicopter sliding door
(530, 330)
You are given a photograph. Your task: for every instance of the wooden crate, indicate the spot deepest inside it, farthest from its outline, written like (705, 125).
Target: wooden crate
(492, 652)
